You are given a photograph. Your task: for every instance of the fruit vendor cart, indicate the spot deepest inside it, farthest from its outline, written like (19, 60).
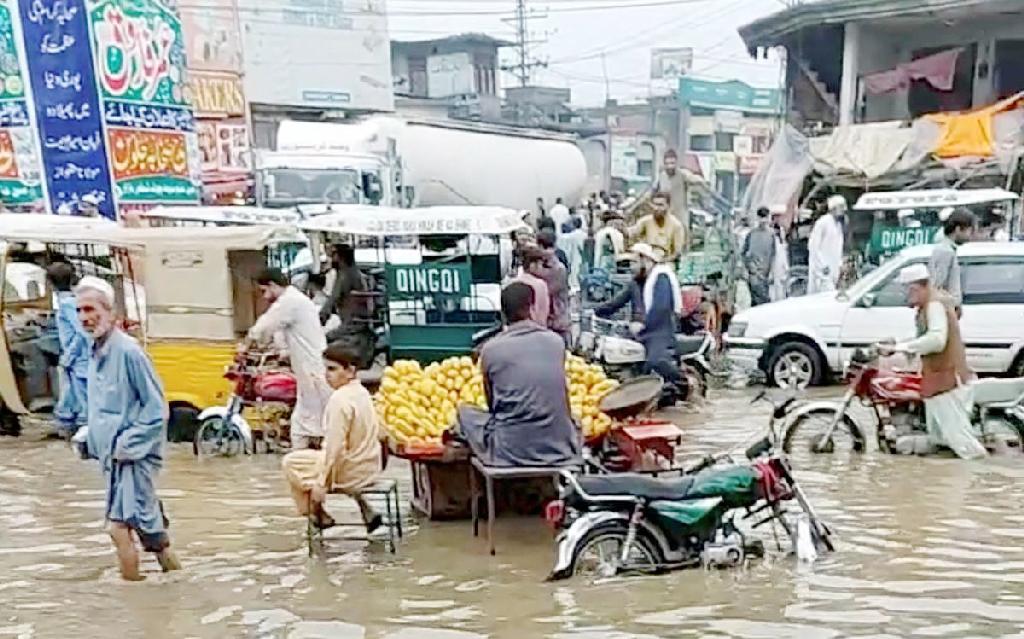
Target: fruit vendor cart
(442, 269)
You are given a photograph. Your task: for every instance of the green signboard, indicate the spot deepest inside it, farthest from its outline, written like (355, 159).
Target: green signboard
(886, 240)
(428, 280)
(20, 178)
(729, 95)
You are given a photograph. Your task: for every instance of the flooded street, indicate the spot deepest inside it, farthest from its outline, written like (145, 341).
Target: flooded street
(926, 547)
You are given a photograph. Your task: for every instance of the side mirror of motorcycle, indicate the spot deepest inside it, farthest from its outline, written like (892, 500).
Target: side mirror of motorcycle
(868, 300)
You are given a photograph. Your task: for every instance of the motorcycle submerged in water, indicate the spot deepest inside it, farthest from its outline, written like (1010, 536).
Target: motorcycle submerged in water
(894, 398)
(615, 523)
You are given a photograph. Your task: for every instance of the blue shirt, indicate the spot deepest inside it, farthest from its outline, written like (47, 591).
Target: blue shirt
(74, 342)
(126, 403)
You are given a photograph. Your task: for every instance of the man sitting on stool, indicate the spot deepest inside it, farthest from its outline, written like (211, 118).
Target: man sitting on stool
(351, 456)
(529, 423)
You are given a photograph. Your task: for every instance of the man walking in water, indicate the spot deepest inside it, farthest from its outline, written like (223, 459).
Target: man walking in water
(126, 431)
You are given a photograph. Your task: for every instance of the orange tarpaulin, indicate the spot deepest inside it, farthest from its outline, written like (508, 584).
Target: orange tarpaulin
(970, 134)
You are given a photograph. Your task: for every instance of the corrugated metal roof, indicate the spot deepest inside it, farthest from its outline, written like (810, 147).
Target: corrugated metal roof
(771, 30)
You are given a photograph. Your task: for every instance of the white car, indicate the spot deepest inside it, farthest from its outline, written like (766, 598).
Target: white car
(804, 340)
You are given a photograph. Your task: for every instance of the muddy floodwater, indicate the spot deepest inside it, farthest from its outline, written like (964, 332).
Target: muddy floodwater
(926, 548)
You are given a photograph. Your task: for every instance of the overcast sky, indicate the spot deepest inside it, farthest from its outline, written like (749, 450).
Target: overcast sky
(577, 32)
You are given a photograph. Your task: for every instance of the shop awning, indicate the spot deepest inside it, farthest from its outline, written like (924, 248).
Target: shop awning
(930, 199)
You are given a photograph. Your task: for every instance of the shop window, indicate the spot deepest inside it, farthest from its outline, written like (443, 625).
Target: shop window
(1008, 69)
(702, 143)
(724, 141)
(725, 184)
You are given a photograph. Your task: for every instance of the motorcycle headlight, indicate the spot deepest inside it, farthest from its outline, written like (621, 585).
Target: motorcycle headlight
(737, 329)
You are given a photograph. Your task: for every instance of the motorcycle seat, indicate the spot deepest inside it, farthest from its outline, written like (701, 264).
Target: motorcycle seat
(688, 344)
(628, 484)
(998, 391)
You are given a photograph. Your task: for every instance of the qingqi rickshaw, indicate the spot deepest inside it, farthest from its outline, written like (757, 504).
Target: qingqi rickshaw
(438, 269)
(29, 348)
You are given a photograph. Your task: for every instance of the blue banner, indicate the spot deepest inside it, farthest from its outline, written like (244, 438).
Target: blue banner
(60, 68)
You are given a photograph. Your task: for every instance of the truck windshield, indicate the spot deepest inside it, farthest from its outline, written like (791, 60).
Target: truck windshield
(288, 187)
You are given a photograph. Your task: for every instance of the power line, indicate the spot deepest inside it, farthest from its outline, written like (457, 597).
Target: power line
(524, 67)
(618, 5)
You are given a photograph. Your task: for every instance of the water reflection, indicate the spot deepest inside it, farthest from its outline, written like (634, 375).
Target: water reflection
(929, 547)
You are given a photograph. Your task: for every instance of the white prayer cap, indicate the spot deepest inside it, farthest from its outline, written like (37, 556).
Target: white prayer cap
(902, 213)
(945, 213)
(778, 209)
(90, 283)
(836, 201)
(914, 273)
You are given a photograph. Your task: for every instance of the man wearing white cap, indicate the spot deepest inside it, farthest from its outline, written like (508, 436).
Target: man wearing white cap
(944, 370)
(660, 304)
(126, 430)
(825, 248)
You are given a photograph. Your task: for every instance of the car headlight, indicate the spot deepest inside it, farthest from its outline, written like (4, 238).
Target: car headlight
(737, 329)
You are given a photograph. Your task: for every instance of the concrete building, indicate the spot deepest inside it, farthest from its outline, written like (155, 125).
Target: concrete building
(539, 107)
(324, 60)
(454, 77)
(850, 61)
(728, 126)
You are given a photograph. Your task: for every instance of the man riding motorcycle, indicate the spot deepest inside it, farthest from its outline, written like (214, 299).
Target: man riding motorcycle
(656, 302)
(944, 370)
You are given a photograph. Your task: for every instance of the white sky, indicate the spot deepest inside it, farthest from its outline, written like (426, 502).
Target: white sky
(578, 31)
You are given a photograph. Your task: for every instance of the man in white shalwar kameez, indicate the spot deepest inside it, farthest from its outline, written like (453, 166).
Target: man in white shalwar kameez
(825, 248)
(779, 276)
(944, 370)
(297, 319)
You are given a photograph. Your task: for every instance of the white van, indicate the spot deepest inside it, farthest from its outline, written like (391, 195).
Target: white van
(804, 340)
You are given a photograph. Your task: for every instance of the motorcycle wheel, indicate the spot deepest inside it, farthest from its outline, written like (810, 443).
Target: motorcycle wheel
(215, 438)
(806, 432)
(1008, 429)
(597, 555)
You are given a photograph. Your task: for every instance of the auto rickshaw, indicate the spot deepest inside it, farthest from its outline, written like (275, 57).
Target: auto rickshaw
(201, 299)
(188, 295)
(29, 349)
(442, 269)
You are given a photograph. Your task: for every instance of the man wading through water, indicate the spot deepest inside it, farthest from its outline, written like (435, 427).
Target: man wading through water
(126, 431)
(944, 370)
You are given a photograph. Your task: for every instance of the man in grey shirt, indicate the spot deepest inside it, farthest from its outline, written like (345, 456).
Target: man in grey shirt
(944, 266)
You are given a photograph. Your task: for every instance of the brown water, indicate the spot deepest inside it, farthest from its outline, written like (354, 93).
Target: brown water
(927, 547)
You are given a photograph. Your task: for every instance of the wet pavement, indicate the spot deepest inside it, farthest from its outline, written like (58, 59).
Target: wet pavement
(926, 547)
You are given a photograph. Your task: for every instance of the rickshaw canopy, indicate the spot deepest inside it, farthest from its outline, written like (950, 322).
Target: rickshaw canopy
(243, 215)
(931, 199)
(199, 280)
(56, 229)
(382, 221)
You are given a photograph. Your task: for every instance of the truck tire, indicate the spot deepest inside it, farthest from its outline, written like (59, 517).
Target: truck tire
(795, 365)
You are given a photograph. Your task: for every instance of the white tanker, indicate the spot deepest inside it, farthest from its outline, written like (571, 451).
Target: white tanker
(402, 162)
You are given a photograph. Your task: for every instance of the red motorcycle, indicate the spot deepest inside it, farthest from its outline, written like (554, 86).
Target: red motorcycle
(264, 393)
(894, 398)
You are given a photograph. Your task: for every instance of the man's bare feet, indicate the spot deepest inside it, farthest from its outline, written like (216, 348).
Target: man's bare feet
(168, 560)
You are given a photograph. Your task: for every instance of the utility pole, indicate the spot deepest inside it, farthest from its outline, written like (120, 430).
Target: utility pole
(523, 66)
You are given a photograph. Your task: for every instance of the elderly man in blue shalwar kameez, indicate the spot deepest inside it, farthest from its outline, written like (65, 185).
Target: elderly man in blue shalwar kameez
(126, 425)
(529, 423)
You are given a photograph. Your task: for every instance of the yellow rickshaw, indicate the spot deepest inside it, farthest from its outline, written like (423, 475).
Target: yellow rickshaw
(201, 298)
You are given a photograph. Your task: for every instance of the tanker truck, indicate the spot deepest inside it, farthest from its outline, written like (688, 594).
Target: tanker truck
(397, 161)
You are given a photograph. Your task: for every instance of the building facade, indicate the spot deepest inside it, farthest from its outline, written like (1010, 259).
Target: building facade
(453, 77)
(728, 127)
(849, 63)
